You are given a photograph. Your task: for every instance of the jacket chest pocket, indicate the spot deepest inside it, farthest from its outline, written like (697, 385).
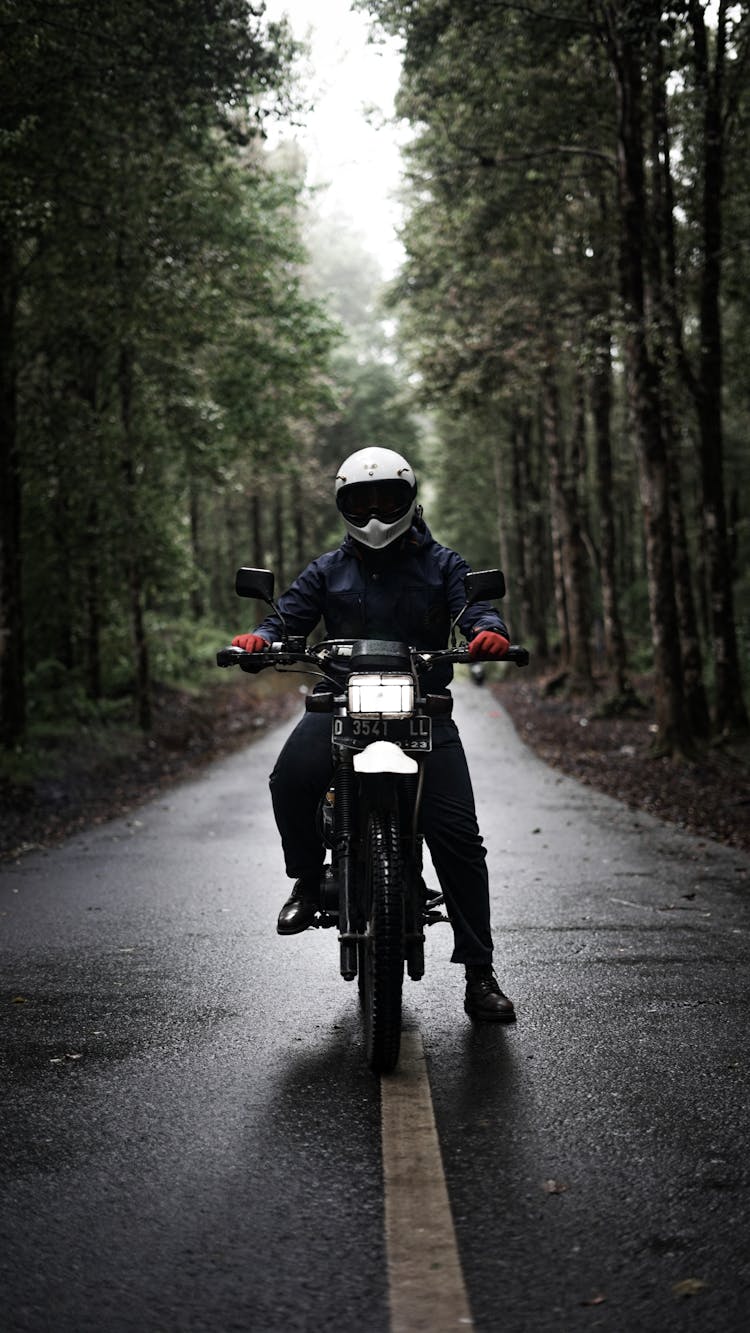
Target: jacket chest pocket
(344, 614)
(426, 610)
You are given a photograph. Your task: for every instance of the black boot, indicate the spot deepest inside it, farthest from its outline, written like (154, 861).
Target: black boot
(300, 907)
(485, 1001)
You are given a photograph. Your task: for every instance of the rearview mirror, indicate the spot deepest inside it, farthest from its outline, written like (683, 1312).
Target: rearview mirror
(484, 585)
(254, 583)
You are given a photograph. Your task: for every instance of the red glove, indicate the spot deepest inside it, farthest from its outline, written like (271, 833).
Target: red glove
(250, 643)
(487, 645)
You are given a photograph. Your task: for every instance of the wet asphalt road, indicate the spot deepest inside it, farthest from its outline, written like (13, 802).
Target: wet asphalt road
(189, 1139)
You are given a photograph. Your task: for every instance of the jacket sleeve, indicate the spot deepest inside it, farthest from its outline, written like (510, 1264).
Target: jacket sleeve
(482, 615)
(301, 606)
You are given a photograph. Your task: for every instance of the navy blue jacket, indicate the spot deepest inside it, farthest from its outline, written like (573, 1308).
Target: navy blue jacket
(411, 592)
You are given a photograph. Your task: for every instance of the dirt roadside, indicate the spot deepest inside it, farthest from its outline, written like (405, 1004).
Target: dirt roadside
(710, 798)
(106, 774)
(99, 779)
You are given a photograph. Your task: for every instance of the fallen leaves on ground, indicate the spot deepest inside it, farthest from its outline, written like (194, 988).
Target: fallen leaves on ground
(104, 775)
(710, 798)
(554, 1186)
(689, 1286)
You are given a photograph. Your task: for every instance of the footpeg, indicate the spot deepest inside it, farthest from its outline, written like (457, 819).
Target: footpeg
(433, 917)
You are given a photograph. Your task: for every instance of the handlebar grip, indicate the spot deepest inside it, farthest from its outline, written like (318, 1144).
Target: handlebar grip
(515, 654)
(227, 657)
(250, 662)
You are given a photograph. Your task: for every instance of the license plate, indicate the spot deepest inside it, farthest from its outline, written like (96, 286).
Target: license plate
(409, 733)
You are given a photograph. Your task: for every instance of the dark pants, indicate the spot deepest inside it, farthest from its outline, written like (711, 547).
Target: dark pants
(448, 821)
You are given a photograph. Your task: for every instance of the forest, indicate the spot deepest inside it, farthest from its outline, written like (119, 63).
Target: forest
(185, 357)
(575, 300)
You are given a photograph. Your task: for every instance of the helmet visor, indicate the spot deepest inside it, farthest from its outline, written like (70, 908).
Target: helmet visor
(384, 500)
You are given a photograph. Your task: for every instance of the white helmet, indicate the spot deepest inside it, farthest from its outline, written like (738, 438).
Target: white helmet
(376, 494)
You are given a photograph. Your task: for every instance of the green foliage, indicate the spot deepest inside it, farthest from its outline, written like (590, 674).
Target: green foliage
(513, 279)
(162, 352)
(184, 650)
(374, 409)
(178, 382)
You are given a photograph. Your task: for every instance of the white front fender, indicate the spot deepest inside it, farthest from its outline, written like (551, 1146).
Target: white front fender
(384, 757)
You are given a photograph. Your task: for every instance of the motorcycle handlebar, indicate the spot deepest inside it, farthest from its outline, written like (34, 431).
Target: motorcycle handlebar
(515, 654)
(277, 654)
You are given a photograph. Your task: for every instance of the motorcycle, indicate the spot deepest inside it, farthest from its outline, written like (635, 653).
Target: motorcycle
(372, 888)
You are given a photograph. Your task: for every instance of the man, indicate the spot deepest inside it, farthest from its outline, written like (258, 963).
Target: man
(389, 579)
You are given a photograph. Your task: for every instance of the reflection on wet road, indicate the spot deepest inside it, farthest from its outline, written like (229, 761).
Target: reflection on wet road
(189, 1138)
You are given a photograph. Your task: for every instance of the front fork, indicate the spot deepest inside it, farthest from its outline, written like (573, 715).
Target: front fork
(345, 855)
(385, 794)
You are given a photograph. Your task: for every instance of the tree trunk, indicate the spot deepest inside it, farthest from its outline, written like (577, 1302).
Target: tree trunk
(279, 543)
(93, 606)
(696, 702)
(669, 350)
(256, 531)
(519, 442)
(730, 711)
(132, 561)
(506, 549)
(197, 602)
(673, 731)
(89, 378)
(65, 594)
(12, 686)
(601, 408)
(572, 554)
(583, 554)
(561, 608)
(536, 537)
(298, 519)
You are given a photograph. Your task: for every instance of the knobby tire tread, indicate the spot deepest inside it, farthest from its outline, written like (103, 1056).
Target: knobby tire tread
(384, 951)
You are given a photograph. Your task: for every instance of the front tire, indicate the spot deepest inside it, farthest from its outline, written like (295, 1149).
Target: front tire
(381, 956)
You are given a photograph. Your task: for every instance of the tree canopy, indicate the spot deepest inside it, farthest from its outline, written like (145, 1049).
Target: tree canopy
(574, 236)
(187, 349)
(158, 346)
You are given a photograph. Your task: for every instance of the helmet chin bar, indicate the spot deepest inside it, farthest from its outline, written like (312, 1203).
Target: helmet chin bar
(377, 534)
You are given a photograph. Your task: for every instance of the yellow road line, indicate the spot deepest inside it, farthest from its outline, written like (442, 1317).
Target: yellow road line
(426, 1285)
